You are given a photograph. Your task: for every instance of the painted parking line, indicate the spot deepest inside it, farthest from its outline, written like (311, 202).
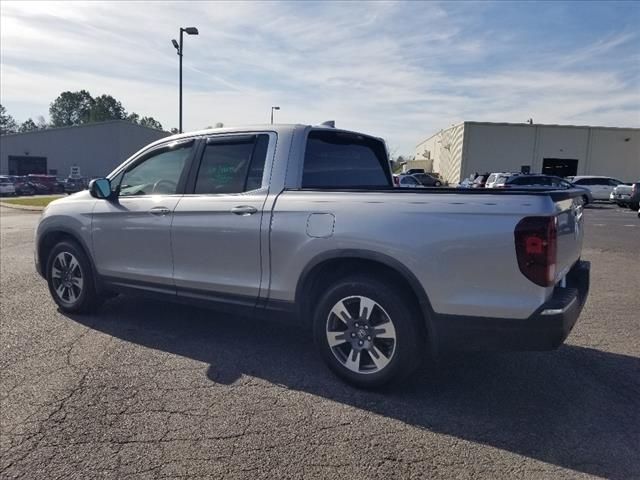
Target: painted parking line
(630, 225)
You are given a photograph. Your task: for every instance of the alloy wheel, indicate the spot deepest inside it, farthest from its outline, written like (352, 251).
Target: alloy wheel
(361, 334)
(67, 277)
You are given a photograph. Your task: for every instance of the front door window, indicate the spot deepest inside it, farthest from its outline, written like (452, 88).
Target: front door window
(157, 174)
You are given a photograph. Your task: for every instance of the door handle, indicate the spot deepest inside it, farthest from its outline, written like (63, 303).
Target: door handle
(244, 210)
(160, 211)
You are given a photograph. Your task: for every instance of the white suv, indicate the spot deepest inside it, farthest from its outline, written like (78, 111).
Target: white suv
(600, 187)
(496, 179)
(6, 187)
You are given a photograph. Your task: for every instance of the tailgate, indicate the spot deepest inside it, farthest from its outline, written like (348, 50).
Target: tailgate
(570, 232)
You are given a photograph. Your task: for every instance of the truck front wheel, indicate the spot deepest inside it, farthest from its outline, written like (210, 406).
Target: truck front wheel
(70, 278)
(367, 332)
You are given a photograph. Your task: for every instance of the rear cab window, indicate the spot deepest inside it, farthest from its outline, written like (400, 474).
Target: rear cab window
(335, 159)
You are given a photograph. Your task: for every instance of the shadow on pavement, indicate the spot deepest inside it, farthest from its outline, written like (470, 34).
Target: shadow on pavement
(577, 408)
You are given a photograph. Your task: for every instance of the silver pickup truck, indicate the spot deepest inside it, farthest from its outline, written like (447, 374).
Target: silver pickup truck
(303, 220)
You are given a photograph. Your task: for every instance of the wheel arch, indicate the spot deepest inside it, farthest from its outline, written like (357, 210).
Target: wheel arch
(335, 264)
(47, 240)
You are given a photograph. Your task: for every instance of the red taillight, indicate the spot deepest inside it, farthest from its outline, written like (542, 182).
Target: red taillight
(536, 244)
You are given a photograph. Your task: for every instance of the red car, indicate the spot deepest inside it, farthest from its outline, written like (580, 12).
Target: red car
(46, 183)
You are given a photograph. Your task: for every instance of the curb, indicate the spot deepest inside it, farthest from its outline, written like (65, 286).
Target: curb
(29, 208)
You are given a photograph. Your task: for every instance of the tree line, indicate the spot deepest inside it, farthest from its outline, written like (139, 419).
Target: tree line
(76, 108)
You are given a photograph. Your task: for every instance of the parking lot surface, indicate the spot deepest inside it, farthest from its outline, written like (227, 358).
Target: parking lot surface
(146, 389)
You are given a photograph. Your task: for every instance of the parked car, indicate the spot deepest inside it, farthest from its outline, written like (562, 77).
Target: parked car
(427, 180)
(22, 185)
(634, 198)
(73, 185)
(46, 184)
(480, 181)
(496, 179)
(587, 196)
(466, 183)
(621, 195)
(600, 187)
(6, 187)
(408, 181)
(519, 180)
(223, 216)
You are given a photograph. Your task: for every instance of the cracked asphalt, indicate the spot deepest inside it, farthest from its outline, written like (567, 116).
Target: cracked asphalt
(152, 390)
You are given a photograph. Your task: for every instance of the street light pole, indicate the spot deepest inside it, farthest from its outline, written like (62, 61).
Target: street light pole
(180, 94)
(272, 109)
(178, 47)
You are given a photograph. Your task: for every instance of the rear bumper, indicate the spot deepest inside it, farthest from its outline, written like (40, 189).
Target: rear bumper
(545, 329)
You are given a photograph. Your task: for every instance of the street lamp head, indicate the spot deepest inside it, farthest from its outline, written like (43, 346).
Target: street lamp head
(276, 108)
(191, 30)
(175, 44)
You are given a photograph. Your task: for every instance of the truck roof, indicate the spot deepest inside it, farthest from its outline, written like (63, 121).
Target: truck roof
(284, 128)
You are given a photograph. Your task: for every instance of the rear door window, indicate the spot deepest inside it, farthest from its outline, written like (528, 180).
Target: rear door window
(587, 181)
(232, 164)
(344, 160)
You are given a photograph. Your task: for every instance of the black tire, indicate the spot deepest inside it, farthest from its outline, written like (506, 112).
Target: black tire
(86, 298)
(409, 344)
(438, 184)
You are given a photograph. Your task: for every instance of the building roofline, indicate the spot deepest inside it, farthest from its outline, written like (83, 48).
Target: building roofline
(440, 131)
(510, 124)
(524, 124)
(84, 125)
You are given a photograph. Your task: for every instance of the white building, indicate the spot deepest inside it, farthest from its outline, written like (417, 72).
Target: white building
(478, 147)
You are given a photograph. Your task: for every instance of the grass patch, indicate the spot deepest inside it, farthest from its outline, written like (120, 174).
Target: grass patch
(31, 201)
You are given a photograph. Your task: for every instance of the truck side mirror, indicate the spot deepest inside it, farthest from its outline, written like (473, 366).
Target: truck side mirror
(100, 188)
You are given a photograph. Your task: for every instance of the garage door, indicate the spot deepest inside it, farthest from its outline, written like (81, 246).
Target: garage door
(25, 165)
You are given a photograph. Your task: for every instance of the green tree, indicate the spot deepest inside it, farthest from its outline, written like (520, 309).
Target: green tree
(7, 123)
(41, 122)
(28, 126)
(133, 117)
(71, 108)
(105, 107)
(151, 123)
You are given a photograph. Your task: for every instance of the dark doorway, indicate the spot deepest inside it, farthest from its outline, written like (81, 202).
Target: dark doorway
(24, 165)
(561, 167)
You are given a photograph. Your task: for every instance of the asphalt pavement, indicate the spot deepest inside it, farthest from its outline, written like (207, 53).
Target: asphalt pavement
(146, 389)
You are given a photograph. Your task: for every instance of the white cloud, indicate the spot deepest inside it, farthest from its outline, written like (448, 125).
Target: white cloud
(397, 70)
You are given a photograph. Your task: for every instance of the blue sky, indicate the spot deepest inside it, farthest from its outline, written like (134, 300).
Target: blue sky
(399, 70)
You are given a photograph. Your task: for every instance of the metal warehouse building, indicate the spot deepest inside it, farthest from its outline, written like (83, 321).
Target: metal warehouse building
(564, 150)
(96, 148)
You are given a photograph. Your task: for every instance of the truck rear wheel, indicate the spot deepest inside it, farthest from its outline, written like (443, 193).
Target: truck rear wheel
(368, 333)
